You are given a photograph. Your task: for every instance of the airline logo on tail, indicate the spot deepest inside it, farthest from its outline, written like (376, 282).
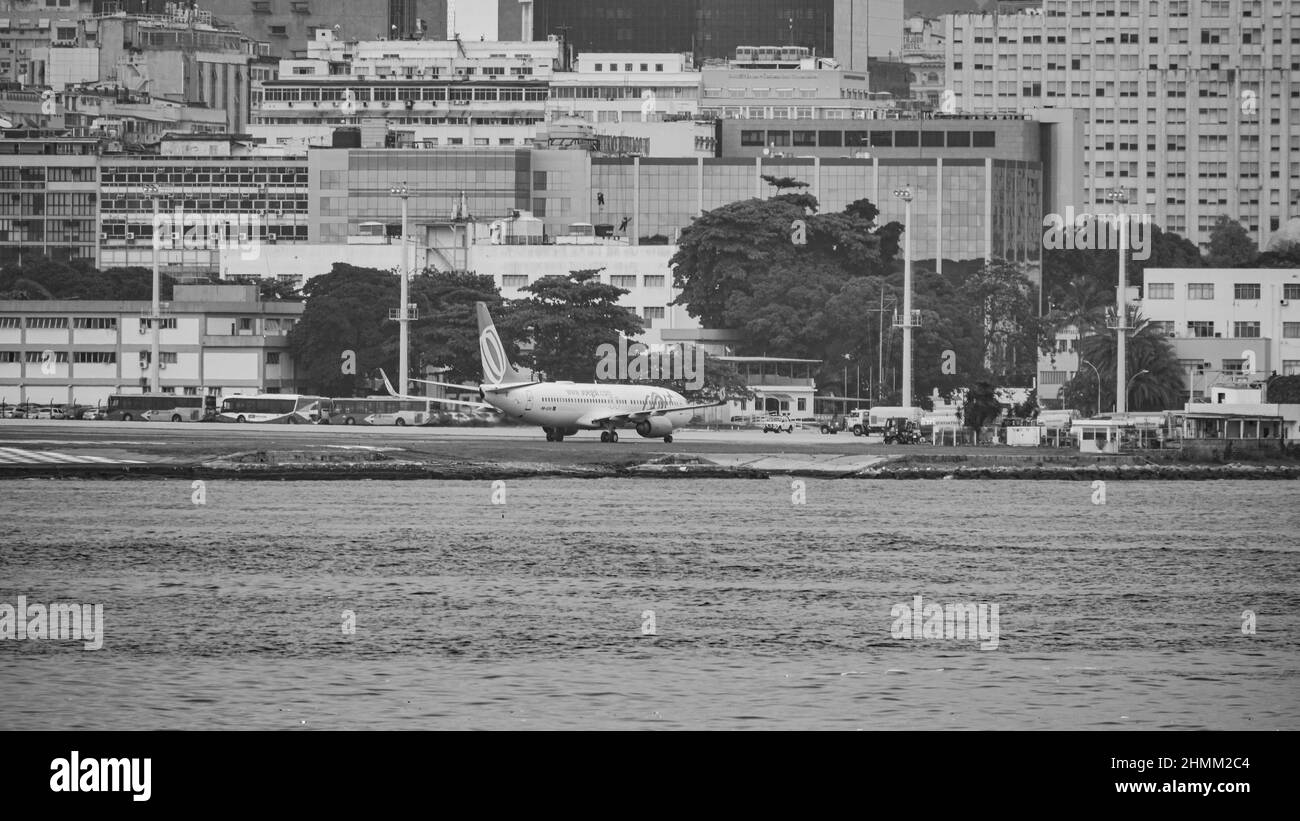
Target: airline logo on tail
(493, 354)
(496, 364)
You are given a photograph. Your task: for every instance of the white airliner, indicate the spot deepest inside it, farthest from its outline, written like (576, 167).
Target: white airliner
(564, 408)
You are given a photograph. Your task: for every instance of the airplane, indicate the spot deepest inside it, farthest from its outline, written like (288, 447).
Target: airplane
(563, 408)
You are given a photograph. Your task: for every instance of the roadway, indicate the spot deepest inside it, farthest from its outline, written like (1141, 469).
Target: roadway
(188, 442)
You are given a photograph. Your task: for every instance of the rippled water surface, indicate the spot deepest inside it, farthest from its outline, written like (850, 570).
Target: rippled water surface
(767, 614)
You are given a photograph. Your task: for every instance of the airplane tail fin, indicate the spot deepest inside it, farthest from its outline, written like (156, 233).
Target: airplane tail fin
(497, 368)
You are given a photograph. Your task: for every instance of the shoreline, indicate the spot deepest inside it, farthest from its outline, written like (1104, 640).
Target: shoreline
(320, 465)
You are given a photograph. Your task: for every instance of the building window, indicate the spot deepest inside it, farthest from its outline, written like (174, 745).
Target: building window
(101, 323)
(10, 356)
(1245, 290)
(751, 137)
(654, 280)
(279, 31)
(245, 323)
(1245, 330)
(1162, 328)
(1200, 290)
(619, 281)
(10, 322)
(1291, 367)
(47, 322)
(1291, 330)
(37, 356)
(1160, 290)
(273, 357)
(95, 357)
(1291, 291)
(167, 357)
(984, 139)
(651, 314)
(832, 139)
(1201, 329)
(514, 280)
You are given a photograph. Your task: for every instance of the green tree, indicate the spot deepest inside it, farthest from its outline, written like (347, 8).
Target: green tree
(1230, 246)
(43, 278)
(446, 333)
(1005, 306)
(1160, 388)
(1284, 389)
(981, 405)
(347, 310)
(738, 268)
(568, 319)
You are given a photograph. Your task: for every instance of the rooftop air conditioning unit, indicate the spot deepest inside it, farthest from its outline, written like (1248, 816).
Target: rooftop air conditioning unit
(1286, 302)
(271, 237)
(130, 237)
(103, 237)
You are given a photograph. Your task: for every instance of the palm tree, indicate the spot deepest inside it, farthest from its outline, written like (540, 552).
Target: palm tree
(1159, 388)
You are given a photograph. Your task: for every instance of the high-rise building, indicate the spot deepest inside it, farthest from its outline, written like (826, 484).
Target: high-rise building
(1192, 106)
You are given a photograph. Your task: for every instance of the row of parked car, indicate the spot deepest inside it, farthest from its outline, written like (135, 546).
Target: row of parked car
(49, 412)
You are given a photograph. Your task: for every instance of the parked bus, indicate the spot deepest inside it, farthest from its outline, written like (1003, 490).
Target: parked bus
(160, 407)
(281, 408)
(381, 410)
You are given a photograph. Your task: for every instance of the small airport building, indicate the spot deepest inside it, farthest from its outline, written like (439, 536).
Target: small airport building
(215, 339)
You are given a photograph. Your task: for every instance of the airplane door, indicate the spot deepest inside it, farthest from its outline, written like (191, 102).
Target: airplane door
(528, 400)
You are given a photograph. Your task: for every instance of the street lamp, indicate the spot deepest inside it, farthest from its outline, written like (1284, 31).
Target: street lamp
(403, 316)
(155, 318)
(905, 194)
(1094, 370)
(1119, 196)
(1130, 382)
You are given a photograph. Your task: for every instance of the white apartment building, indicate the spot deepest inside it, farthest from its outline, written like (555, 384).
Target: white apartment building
(1227, 317)
(769, 82)
(215, 339)
(613, 88)
(923, 54)
(431, 93)
(1225, 324)
(1193, 106)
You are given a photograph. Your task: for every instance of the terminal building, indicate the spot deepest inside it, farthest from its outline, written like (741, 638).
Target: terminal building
(216, 339)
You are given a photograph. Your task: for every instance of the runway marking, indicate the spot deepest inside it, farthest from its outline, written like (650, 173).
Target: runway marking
(18, 456)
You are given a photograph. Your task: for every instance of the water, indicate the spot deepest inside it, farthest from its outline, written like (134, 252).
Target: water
(767, 614)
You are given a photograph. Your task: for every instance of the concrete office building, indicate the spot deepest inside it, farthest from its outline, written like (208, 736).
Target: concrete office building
(49, 197)
(216, 339)
(1191, 106)
(414, 92)
(849, 30)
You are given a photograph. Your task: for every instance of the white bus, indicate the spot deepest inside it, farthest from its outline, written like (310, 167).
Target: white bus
(160, 407)
(381, 410)
(281, 408)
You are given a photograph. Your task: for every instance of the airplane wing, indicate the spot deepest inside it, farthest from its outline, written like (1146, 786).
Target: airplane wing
(494, 388)
(600, 416)
(389, 386)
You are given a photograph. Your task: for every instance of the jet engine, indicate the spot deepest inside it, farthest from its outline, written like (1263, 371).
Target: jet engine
(654, 427)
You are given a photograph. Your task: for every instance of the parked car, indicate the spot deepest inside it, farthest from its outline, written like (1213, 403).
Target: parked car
(50, 412)
(776, 424)
(91, 414)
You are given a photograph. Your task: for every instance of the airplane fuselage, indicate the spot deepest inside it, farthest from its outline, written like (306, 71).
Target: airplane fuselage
(567, 405)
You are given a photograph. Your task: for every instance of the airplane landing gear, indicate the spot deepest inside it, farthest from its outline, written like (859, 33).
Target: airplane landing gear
(609, 436)
(669, 438)
(554, 435)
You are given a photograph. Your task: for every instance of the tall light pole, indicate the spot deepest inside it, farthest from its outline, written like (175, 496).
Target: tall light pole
(1132, 380)
(1119, 196)
(155, 317)
(403, 315)
(905, 194)
(880, 343)
(1094, 370)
